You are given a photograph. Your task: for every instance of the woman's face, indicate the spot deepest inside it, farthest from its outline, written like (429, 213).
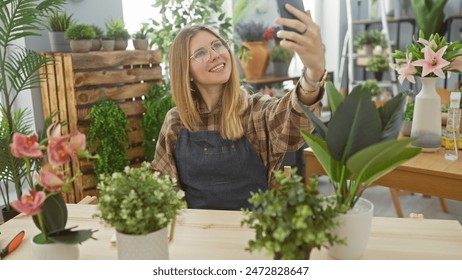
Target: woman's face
(211, 62)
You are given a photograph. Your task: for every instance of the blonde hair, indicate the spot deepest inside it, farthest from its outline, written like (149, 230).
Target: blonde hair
(233, 99)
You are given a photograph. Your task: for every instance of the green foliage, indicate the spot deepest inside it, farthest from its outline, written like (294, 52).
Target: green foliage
(18, 72)
(360, 145)
(138, 200)
(377, 63)
(115, 28)
(243, 9)
(108, 135)
(293, 219)
(280, 54)
(80, 32)
(429, 16)
(372, 87)
(59, 21)
(373, 37)
(143, 32)
(409, 112)
(157, 103)
(250, 31)
(98, 31)
(177, 14)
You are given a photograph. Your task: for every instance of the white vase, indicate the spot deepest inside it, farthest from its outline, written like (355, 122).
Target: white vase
(151, 246)
(54, 251)
(426, 121)
(355, 226)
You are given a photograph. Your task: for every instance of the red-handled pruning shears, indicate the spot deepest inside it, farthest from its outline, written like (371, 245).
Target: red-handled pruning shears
(12, 245)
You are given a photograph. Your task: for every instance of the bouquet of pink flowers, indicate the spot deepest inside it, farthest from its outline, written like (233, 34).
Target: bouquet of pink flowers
(428, 58)
(44, 202)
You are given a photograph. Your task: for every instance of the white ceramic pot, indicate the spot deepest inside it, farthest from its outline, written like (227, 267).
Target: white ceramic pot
(54, 251)
(151, 246)
(355, 226)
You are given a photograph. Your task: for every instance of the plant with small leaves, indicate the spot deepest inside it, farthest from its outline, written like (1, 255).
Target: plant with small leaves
(108, 136)
(143, 32)
(80, 32)
(98, 31)
(59, 21)
(373, 37)
(372, 87)
(281, 54)
(377, 63)
(116, 29)
(251, 31)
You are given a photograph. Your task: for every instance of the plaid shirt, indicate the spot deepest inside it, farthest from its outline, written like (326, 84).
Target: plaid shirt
(272, 126)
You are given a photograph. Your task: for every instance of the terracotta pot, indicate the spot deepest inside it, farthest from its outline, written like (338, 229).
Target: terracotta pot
(255, 66)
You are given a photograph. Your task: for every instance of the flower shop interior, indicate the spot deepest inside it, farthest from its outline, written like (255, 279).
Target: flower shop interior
(74, 81)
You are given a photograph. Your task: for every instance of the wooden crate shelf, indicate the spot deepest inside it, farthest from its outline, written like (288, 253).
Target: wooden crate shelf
(74, 82)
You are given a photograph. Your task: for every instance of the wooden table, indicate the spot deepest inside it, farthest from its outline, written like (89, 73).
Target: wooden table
(427, 173)
(212, 234)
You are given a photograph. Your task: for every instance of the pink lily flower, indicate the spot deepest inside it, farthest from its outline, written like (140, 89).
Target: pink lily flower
(30, 204)
(455, 65)
(432, 44)
(432, 62)
(406, 70)
(25, 146)
(50, 178)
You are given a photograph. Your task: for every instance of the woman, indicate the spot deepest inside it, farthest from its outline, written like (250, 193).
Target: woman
(219, 142)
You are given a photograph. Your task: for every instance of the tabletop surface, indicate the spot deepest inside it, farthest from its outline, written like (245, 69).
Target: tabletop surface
(214, 234)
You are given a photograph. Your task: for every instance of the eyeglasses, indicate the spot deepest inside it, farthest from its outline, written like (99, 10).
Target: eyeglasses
(203, 55)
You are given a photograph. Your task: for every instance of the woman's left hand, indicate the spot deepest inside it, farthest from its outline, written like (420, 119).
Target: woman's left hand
(307, 42)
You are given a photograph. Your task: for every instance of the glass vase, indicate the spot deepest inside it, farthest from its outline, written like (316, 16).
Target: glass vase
(426, 123)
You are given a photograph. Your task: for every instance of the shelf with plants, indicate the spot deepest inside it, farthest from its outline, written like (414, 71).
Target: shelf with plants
(77, 81)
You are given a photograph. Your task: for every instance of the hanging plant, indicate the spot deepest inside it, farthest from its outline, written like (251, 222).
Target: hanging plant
(108, 136)
(157, 103)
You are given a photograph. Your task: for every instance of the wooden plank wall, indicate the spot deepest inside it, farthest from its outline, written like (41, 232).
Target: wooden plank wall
(76, 81)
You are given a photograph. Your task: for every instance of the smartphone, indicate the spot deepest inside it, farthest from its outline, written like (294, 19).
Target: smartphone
(298, 4)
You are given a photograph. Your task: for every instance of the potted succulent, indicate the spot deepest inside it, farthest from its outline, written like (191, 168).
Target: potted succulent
(139, 204)
(81, 36)
(96, 42)
(407, 118)
(255, 57)
(377, 65)
(358, 147)
(293, 219)
(140, 40)
(281, 58)
(58, 23)
(116, 29)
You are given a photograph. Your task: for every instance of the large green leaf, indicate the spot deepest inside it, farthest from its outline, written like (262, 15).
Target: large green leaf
(334, 96)
(392, 116)
(375, 161)
(429, 15)
(354, 126)
(320, 127)
(54, 213)
(68, 236)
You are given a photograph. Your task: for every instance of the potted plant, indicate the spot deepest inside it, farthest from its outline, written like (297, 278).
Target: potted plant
(407, 119)
(140, 40)
(81, 36)
(281, 58)
(139, 204)
(116, 29)
(367, 40)
(19, 71)
(58, 23)
(358, 147)
(256, 52)
(107, 42)
(293, 219)
(96, 42)
(377, 65)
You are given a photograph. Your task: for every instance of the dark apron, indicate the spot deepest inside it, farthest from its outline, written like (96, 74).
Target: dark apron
(217, 173)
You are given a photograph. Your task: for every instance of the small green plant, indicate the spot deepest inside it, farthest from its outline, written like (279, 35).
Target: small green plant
(372, 87)
(280, 54)
(157, 103)
(143, 32)
(250, 31)
(108, 136)
(116, 29)
(138, 200)
(373, 37)
(293, 219)
(59, 21)
(98, 31)
(377, 63)
(409, 112)
(79, 32)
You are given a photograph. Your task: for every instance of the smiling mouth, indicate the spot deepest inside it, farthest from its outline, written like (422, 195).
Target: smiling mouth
(216, 68)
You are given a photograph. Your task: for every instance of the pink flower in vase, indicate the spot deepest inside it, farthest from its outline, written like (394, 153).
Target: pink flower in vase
(30, 204)
(433, 62)
(25, 146)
